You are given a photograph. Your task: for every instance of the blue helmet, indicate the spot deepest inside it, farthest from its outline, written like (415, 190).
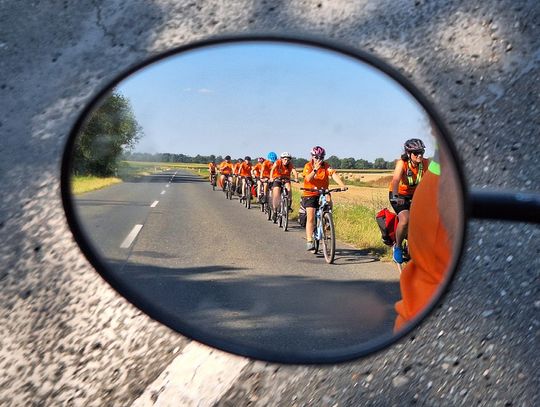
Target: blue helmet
(272, 156)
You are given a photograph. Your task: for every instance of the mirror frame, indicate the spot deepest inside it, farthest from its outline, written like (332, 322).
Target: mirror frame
(192, 332)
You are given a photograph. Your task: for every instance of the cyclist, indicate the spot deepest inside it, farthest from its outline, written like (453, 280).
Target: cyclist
(433, 233)
(256, 172)
(271, 158)
(236, 176)
(408, 173)
(317, 173)
(212, 169)
(281, 174)
(225, 170)
(245, 172)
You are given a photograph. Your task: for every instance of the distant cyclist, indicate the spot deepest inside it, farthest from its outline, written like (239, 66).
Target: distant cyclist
(236, 175)
(256, 172)
(410, 169)
(317, 173)
(245, 173)
(280, 176)
(266, 168)
(212, 169)
(225, 170)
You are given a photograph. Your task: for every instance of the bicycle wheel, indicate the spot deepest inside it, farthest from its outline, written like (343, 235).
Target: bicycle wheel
(315, 241)
(248, 195)
(285, 214)
(329, 237)
(268, 209)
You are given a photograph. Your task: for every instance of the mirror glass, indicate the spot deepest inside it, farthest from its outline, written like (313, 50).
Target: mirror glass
(146, 213)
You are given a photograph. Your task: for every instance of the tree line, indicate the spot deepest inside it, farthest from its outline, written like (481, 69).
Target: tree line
(348, 163)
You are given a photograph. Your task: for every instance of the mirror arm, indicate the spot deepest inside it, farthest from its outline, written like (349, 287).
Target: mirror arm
(511, 206)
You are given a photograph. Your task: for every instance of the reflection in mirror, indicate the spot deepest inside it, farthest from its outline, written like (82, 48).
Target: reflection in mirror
(246, 274)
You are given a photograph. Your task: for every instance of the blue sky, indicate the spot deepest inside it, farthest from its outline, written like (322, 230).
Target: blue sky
(252, 98)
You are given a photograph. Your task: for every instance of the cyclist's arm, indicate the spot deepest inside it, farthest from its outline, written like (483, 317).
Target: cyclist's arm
(397, 177)
(272, 171)
(295, 173)
(339, 181)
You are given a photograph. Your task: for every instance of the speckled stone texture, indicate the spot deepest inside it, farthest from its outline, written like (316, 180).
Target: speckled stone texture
(68, 339)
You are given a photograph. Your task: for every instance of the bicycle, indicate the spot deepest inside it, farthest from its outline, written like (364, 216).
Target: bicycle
(324, 228)
(227, 187)
(246, 192)
(262, 198)
(213, 181)
(282, 214)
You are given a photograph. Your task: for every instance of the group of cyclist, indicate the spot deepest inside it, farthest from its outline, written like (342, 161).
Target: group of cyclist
(273, 173)
(276, 173)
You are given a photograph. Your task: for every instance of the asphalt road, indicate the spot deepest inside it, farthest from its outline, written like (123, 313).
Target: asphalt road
(231, 273)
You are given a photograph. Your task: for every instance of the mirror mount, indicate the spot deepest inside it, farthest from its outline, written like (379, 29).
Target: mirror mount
(510, 206)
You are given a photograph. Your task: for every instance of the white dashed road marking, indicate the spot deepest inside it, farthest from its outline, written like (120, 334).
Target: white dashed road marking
(154, 204)
(162, 192)
(199, 376)
(131, 237)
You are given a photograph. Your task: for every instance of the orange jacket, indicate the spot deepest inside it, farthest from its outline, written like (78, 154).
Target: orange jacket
(281, 170)
(236, 168)
(321, 178)
(257, 168)
(266, 167)
(430, 250)
(225, 168)
(245, 169)
(404, 187)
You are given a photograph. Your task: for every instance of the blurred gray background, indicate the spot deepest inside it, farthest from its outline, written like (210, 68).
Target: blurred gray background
(68, 339)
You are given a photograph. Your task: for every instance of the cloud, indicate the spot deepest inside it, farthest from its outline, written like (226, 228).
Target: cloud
(205, 90)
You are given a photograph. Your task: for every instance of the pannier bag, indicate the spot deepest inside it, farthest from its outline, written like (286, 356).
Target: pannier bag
(302, 216)
(387, 222)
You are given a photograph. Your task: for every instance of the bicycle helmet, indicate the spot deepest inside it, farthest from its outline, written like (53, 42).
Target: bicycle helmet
(285, 154)
(247, 158)
(260, 159)
(272, 156)
(318, 151)
(240, 160)
(414, 144)
(227, 157)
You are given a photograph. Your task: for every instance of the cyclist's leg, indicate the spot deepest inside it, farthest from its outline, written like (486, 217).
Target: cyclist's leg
(311, 204)
(289, 195)
(403, 227)
(276, 195)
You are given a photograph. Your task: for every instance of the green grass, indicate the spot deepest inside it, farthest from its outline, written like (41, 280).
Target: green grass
(355, 224)
(82, 184)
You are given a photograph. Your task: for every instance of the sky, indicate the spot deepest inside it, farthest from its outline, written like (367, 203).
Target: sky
(251, 98)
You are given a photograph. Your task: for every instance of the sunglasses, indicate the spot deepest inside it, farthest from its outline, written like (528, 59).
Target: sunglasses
(318, 157)
(418, 152)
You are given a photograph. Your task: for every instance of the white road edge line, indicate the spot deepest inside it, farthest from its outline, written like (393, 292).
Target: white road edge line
(131, 237)
(154, 204)
(199, 376)
(162, 192)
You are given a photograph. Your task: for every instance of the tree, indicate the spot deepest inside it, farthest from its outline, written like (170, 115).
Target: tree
(110, 131)
(347, 163)
(334, 161)
(379, 163)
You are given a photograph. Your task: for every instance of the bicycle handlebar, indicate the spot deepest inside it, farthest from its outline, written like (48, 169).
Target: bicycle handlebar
(324, 190)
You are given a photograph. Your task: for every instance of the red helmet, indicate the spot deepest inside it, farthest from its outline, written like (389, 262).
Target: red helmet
(318, 151)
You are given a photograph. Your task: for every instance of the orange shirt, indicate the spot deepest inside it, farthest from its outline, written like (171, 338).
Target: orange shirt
(225, 168)
(282, 170)
(430, 250)
(212, 167)
(236, 168)
(321, 178)
(245, 169)
(266, 167)
(404, 188)
(257, 169)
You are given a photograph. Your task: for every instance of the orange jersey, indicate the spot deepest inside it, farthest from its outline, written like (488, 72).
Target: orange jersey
(404, 187)
(281, 170)
(245, 169)
(257, 168)
(236, 168)
(266, 167)
(226, 168)
(212, 167)
(430, 250)
(321, 178)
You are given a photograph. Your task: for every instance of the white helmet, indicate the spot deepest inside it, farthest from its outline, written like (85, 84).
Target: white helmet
(285, 155)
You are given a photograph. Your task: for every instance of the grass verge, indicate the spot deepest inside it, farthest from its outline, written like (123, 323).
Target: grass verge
(82, 184)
